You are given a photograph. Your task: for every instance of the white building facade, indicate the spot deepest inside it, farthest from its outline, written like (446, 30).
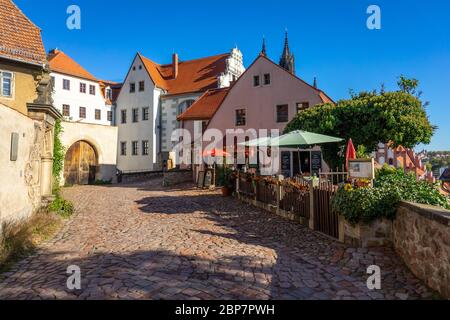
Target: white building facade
(89, 137)
(152, 97)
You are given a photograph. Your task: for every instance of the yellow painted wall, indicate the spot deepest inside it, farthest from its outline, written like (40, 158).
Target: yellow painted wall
(24, 85)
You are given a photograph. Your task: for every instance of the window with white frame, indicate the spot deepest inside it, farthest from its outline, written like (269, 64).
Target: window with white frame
(6, 84)
(135, 115)
(256, 81)
(145, 113)
(267, 79)
(66, 84)
(134, 148)
(123, 148)
(240, 117)
(145, 148)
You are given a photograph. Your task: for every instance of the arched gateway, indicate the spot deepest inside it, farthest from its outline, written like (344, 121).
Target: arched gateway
(80, 164)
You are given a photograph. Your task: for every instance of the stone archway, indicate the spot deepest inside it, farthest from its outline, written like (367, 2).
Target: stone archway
(80, 163)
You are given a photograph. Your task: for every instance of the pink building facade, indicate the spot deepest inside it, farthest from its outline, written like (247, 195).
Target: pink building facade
(266, 96)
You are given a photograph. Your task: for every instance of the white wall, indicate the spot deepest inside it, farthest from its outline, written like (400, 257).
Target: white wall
(142, 130)
(169, 122)
(20, 187)
(75, 99)
(102, 138)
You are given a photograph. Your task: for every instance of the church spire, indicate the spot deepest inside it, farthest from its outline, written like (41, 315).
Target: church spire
(287, 60)
(263, 50)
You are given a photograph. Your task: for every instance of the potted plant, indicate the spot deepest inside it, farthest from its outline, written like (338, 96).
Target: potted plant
(229, 183)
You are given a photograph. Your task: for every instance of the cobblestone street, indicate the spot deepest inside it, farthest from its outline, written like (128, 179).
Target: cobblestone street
(143, 241)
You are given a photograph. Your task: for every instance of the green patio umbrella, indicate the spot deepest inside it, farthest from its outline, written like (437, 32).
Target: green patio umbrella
(294, 139)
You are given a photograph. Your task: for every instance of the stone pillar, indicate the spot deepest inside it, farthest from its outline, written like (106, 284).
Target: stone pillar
(46, 176)
(46, 115)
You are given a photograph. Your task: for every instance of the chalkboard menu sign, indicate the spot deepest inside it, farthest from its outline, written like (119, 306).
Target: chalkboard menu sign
(316, 162)
(286, 163)
(208, 178)
(201, 179)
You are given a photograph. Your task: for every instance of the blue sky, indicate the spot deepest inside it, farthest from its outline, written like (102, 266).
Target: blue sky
(329, 39)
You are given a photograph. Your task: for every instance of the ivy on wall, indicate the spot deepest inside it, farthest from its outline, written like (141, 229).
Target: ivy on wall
(58, 151)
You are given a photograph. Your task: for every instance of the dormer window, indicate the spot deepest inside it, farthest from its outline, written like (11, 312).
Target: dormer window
(266, 79)
(256, 81)
(108, 94)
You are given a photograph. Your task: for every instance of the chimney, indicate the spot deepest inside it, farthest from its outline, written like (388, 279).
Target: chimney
(175, 65)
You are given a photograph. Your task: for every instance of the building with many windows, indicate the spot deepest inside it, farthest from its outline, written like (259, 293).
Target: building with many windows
(88, 108)
(152, 97)
(266, 96)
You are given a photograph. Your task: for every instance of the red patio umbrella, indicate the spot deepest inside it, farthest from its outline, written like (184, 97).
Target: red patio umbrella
(215, 153)
(350, 153)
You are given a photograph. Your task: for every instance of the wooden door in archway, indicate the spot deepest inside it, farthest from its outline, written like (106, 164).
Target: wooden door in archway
(80, 164)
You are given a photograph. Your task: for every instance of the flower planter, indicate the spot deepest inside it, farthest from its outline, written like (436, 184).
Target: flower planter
(226, 191)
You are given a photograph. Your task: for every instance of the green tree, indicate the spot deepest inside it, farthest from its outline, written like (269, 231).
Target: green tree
(408, 85)
(369, 118)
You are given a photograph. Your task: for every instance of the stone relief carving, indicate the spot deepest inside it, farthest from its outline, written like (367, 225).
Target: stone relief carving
(33, 165)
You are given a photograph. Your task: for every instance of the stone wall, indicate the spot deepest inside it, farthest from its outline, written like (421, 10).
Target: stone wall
(421, 236)
(376, 234)
(174, 177)
(20, 190)
(139, 176)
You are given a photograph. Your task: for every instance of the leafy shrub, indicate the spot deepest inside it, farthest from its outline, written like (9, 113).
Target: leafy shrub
(62, 207)
(99, 182)
(410, 189)
(391, 186)
(366, 204)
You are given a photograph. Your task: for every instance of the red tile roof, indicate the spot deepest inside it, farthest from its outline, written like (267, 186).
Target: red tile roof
(62, 63)
(206, 106)
(193, 75)
(20, 39)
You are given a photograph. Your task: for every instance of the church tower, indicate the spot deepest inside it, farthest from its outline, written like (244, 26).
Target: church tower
(287, 60)
(263, 49)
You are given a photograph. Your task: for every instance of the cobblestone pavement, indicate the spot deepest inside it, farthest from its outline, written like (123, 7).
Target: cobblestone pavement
(142, 241)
